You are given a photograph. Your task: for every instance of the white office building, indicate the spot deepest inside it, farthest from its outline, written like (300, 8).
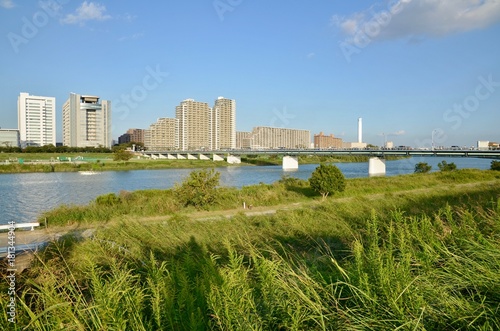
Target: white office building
(36, 120)
(86, 121)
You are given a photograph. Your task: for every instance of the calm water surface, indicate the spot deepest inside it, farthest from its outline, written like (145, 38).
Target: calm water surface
(25, 196)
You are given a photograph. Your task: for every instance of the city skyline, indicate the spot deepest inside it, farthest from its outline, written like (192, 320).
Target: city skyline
(412, 69)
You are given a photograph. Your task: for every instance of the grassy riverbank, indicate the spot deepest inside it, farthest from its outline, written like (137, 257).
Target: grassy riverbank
(415, 252)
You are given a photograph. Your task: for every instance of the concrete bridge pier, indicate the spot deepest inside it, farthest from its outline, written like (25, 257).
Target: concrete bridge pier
(216, 157)
(290, 163)
(231, 159)
(376, 167)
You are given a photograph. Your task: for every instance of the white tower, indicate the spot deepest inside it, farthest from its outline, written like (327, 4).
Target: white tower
(360, 130)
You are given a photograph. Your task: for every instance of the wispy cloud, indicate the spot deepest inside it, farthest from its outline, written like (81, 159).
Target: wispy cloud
(416, 19)
(397, 133)
(311, 55)
(127, 17)
(7, 4)
(134, 36)
(88, 11)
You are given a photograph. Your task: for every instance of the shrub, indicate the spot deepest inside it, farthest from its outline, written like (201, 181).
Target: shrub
(422, 167)
(122, 155)
(107, 200)
(445, 166)
(327, 179)
(199, 189)
(495, 165)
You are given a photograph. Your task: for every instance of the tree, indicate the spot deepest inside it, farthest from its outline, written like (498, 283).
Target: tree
(122, 155)
(495, 165)
(327, 179)
(199, 189)
(422, 168)
(445, 166)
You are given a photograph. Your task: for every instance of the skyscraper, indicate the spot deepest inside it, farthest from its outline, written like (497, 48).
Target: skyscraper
(86, 121)
(36, 120)
(194, 125)
(223, 124)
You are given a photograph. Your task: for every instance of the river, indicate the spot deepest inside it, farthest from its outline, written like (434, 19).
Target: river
(25, 196)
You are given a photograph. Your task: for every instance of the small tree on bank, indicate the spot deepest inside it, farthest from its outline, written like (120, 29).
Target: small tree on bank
(327, 179)
(445, 166)
(122, 155)
(495, 165)
(422, 168)
(199, 189)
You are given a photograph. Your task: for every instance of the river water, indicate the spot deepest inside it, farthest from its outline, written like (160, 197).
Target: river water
(25, 196)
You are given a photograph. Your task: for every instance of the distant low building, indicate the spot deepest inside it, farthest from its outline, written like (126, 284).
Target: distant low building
(354, 145)
(9, 138)
(264, 137)
(483, 145)
(132, 135)
(321, 141)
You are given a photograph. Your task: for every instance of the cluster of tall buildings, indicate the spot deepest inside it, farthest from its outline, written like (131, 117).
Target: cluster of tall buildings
(196, 126)
(86, 122)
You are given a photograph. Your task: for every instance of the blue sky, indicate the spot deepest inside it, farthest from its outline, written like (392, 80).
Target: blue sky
(407, 67)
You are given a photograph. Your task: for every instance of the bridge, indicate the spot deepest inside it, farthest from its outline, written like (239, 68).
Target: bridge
(290, 156)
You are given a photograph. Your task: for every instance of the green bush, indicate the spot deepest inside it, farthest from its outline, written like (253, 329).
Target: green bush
(122, 155)
(495, 165)
(199, 189)
(445, 166)
(327, 179)
(107, 200)
(422, 167)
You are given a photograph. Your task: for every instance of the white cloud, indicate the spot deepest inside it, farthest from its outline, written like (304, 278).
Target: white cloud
(88, 11)
(311, 55)
(399, 133)
(7, 4)
(417, 19)
(134, 36)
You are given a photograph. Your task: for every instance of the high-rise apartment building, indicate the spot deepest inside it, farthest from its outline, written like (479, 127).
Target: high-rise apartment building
(243, 139)
(223, 124)
(162, 135)
(86, 121)
(194, 125)
(132, 135)
(36, 120)
(322, 141)
(276, 138)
